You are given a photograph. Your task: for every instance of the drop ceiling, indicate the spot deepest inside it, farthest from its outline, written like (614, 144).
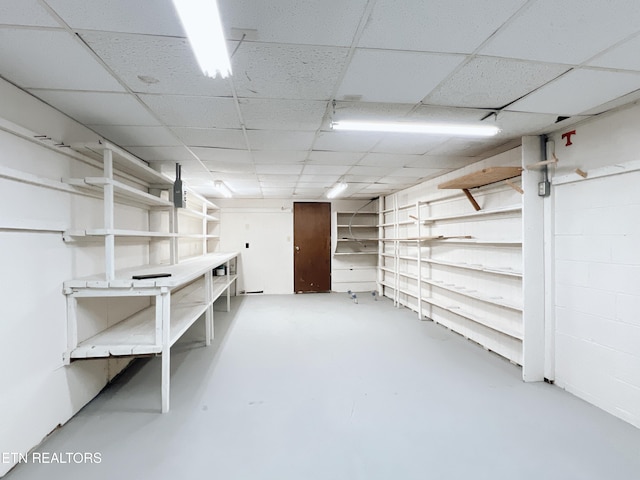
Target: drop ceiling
(124, 69)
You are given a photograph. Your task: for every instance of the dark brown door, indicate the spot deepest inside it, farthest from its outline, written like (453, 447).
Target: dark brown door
(312, 247)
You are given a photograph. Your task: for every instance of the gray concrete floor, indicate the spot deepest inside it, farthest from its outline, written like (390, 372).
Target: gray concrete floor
(306, 387)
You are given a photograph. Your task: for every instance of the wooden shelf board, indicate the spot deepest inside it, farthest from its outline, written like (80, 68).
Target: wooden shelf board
(357, 226)
(482, 177)
(181, 273)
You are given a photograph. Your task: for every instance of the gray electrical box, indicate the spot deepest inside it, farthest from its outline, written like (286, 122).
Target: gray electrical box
(179, 193)
(544, 188)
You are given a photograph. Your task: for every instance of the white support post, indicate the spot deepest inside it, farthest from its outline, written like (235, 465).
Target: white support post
(72, 327)
(205, 230)
(228, 264)
(109, 238)
(533, 276)
(419, 234)
(173, 228)
(208, 321)
(158, 331)
(396, 254)
(165, 299)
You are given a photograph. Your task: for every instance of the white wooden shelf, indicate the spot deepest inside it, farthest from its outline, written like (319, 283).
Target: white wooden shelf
(458, 311)
(124, 161)
(357, 226)
(101, 232)
(503, 242)
(474, 215)
(356, 253)
(473, 294)
(121, 191)
(477, 267)
(351, 240)
(196, 214)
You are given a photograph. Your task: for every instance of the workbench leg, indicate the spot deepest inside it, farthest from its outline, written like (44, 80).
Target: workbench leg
(72, 327)
(166, 350)
(208, 320)
(228, 287)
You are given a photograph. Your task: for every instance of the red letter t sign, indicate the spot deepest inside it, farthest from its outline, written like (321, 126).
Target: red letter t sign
(567, 136)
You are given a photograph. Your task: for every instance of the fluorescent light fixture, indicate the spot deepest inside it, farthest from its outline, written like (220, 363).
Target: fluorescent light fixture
(408, 127)
(222, 188)
(337, 189)
(201, 22)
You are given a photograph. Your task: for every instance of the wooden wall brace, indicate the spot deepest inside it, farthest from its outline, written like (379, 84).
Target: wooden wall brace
(535, 166)
(582, 173)
(471, 199)
(515, 187)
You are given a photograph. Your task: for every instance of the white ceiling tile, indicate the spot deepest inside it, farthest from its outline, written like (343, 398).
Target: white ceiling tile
(361, 178)
(464, 147)
(319, 179)
(187, 111)
(51, 59)
(394, 76)
(571, 31)
(369, 170)
(441, 161)
(277, 192)
(27, 13)
(490, 82)
(325, 169)
(287, 71)
(624, 56)
(279, 156)
(167, 61)
(333, 158)
(408, 143)
(285, 169)
(414, 172)
(315, 185)
(222, 154)
(346, 141)
(517, 124)
(219, 167)
(618, 102)
(121, 16)
(456, 26)
(168, 154)
(574, 92)
(277, 114)
(211, 137)
(348, 110)
(330, 22)
(398, 180)
(284, 178)
(98, 108)
(429, 113)
(238, 179)
(136, 136)
(280, 140)
(277, 184)
(387, 160)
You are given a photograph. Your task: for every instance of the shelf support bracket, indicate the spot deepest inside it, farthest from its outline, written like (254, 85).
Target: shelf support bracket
(471, 199)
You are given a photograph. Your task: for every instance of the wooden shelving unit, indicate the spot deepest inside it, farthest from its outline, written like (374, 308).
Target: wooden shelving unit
(458, 267)
(355, 250)
(176, 301)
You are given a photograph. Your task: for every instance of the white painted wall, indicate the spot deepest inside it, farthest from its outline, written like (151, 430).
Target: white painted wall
(597, 266)
(37, 392)
(267, 226)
